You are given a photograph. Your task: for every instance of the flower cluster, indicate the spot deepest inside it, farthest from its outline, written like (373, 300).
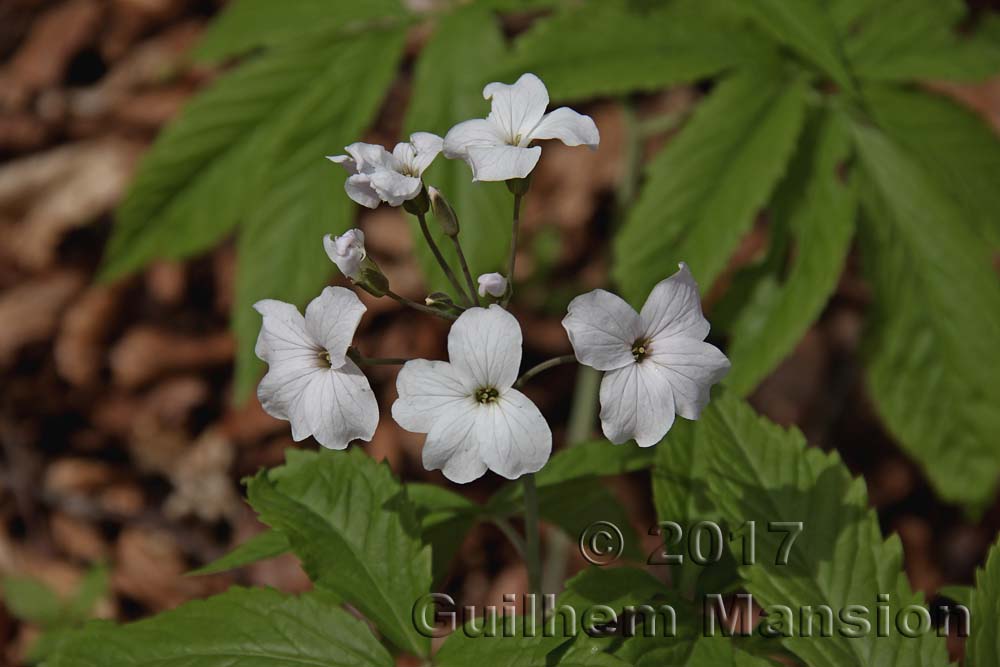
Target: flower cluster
(656, 361)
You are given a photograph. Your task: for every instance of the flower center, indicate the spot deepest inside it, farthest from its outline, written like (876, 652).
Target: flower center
(641, 349)
(324, 358)
(487, 395)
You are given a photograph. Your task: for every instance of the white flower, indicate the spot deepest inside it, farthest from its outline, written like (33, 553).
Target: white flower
(473, 417)
(378, 175)
(657, 362)
(310, 381)
(497, 148)
(493, 284)
(347, 251)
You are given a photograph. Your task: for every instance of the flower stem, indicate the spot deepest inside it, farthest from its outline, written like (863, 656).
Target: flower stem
(532, 550)
(544, 366)
(421, 218)
(514, 229)
(416, 306)
(465, 269)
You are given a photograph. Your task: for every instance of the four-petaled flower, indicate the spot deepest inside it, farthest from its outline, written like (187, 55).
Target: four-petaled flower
(310, 381)
(473, 417)
(347, 251)
(378, 175)
(497, 148)
(656, 362)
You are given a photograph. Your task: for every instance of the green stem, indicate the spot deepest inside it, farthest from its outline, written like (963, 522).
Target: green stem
(532, 550)
(441, 260)
(544, 366)
(416, 306)
(514, 229)
(465, 269)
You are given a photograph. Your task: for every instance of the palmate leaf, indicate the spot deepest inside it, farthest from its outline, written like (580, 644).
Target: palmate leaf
(954, 145)
(704, 190)
(448, 86)
(761, 472)
(240, 628)
(356, 532)
(819, 209)
(605, 47)
(983, 646)
(246, 24)
(901, 40)
(931, 350)
(301, 198)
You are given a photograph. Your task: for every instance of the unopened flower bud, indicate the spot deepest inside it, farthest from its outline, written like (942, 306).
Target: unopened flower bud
(419, 204)
(347, 251)
(439, 301)
(493, 284)
(443, 211)
(519, 186)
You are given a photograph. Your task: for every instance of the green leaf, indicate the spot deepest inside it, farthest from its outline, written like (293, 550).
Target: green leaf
(704, 190)
(246, 24)
(206, 168)
(719, 652)
(613, 47)
(982, 649)
(960, 594)
(806, 28)
(512, 646)
(31, 600)
(931, 348)
(954, 145)
(445, 519)
(240, 628)
(819, 210)
(264, 545)
(301, 196)
(448, 86)
(761, 472)
(92, 588)
(354, 529)
(900, 40)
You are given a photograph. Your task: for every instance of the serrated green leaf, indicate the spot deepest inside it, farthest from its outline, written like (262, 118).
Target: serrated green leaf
(982, 649)
(29, 599)
(263, 545)
(901, 40)
(448, 88)
(301, 198)
(719, 652)
(512, 646)
(354, 529)
(608, 47)
(704, 190)
(240, 628)
(246, 24)
(931, 347)
(954, 145)
(761, 472)
(805, 27)
(207, 168)
(819, 210)
(445, 519)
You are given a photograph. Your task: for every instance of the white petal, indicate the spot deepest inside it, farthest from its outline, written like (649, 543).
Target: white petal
(570, 127)
(331, 320)
(395, 188)
(339, 406)
(452, 447)
(673, 308)
(484, 346)
(428, 391)
(282, 386)
(283, 335)
(344, 161)
(692, 367)
(405, 153)
(517, 108)
(636, 402)
(360, 190)
(502, 163)
(602, 329)
(493, 284)
(370, 157)
(514, 438)
(428, 146)
(471, 133)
